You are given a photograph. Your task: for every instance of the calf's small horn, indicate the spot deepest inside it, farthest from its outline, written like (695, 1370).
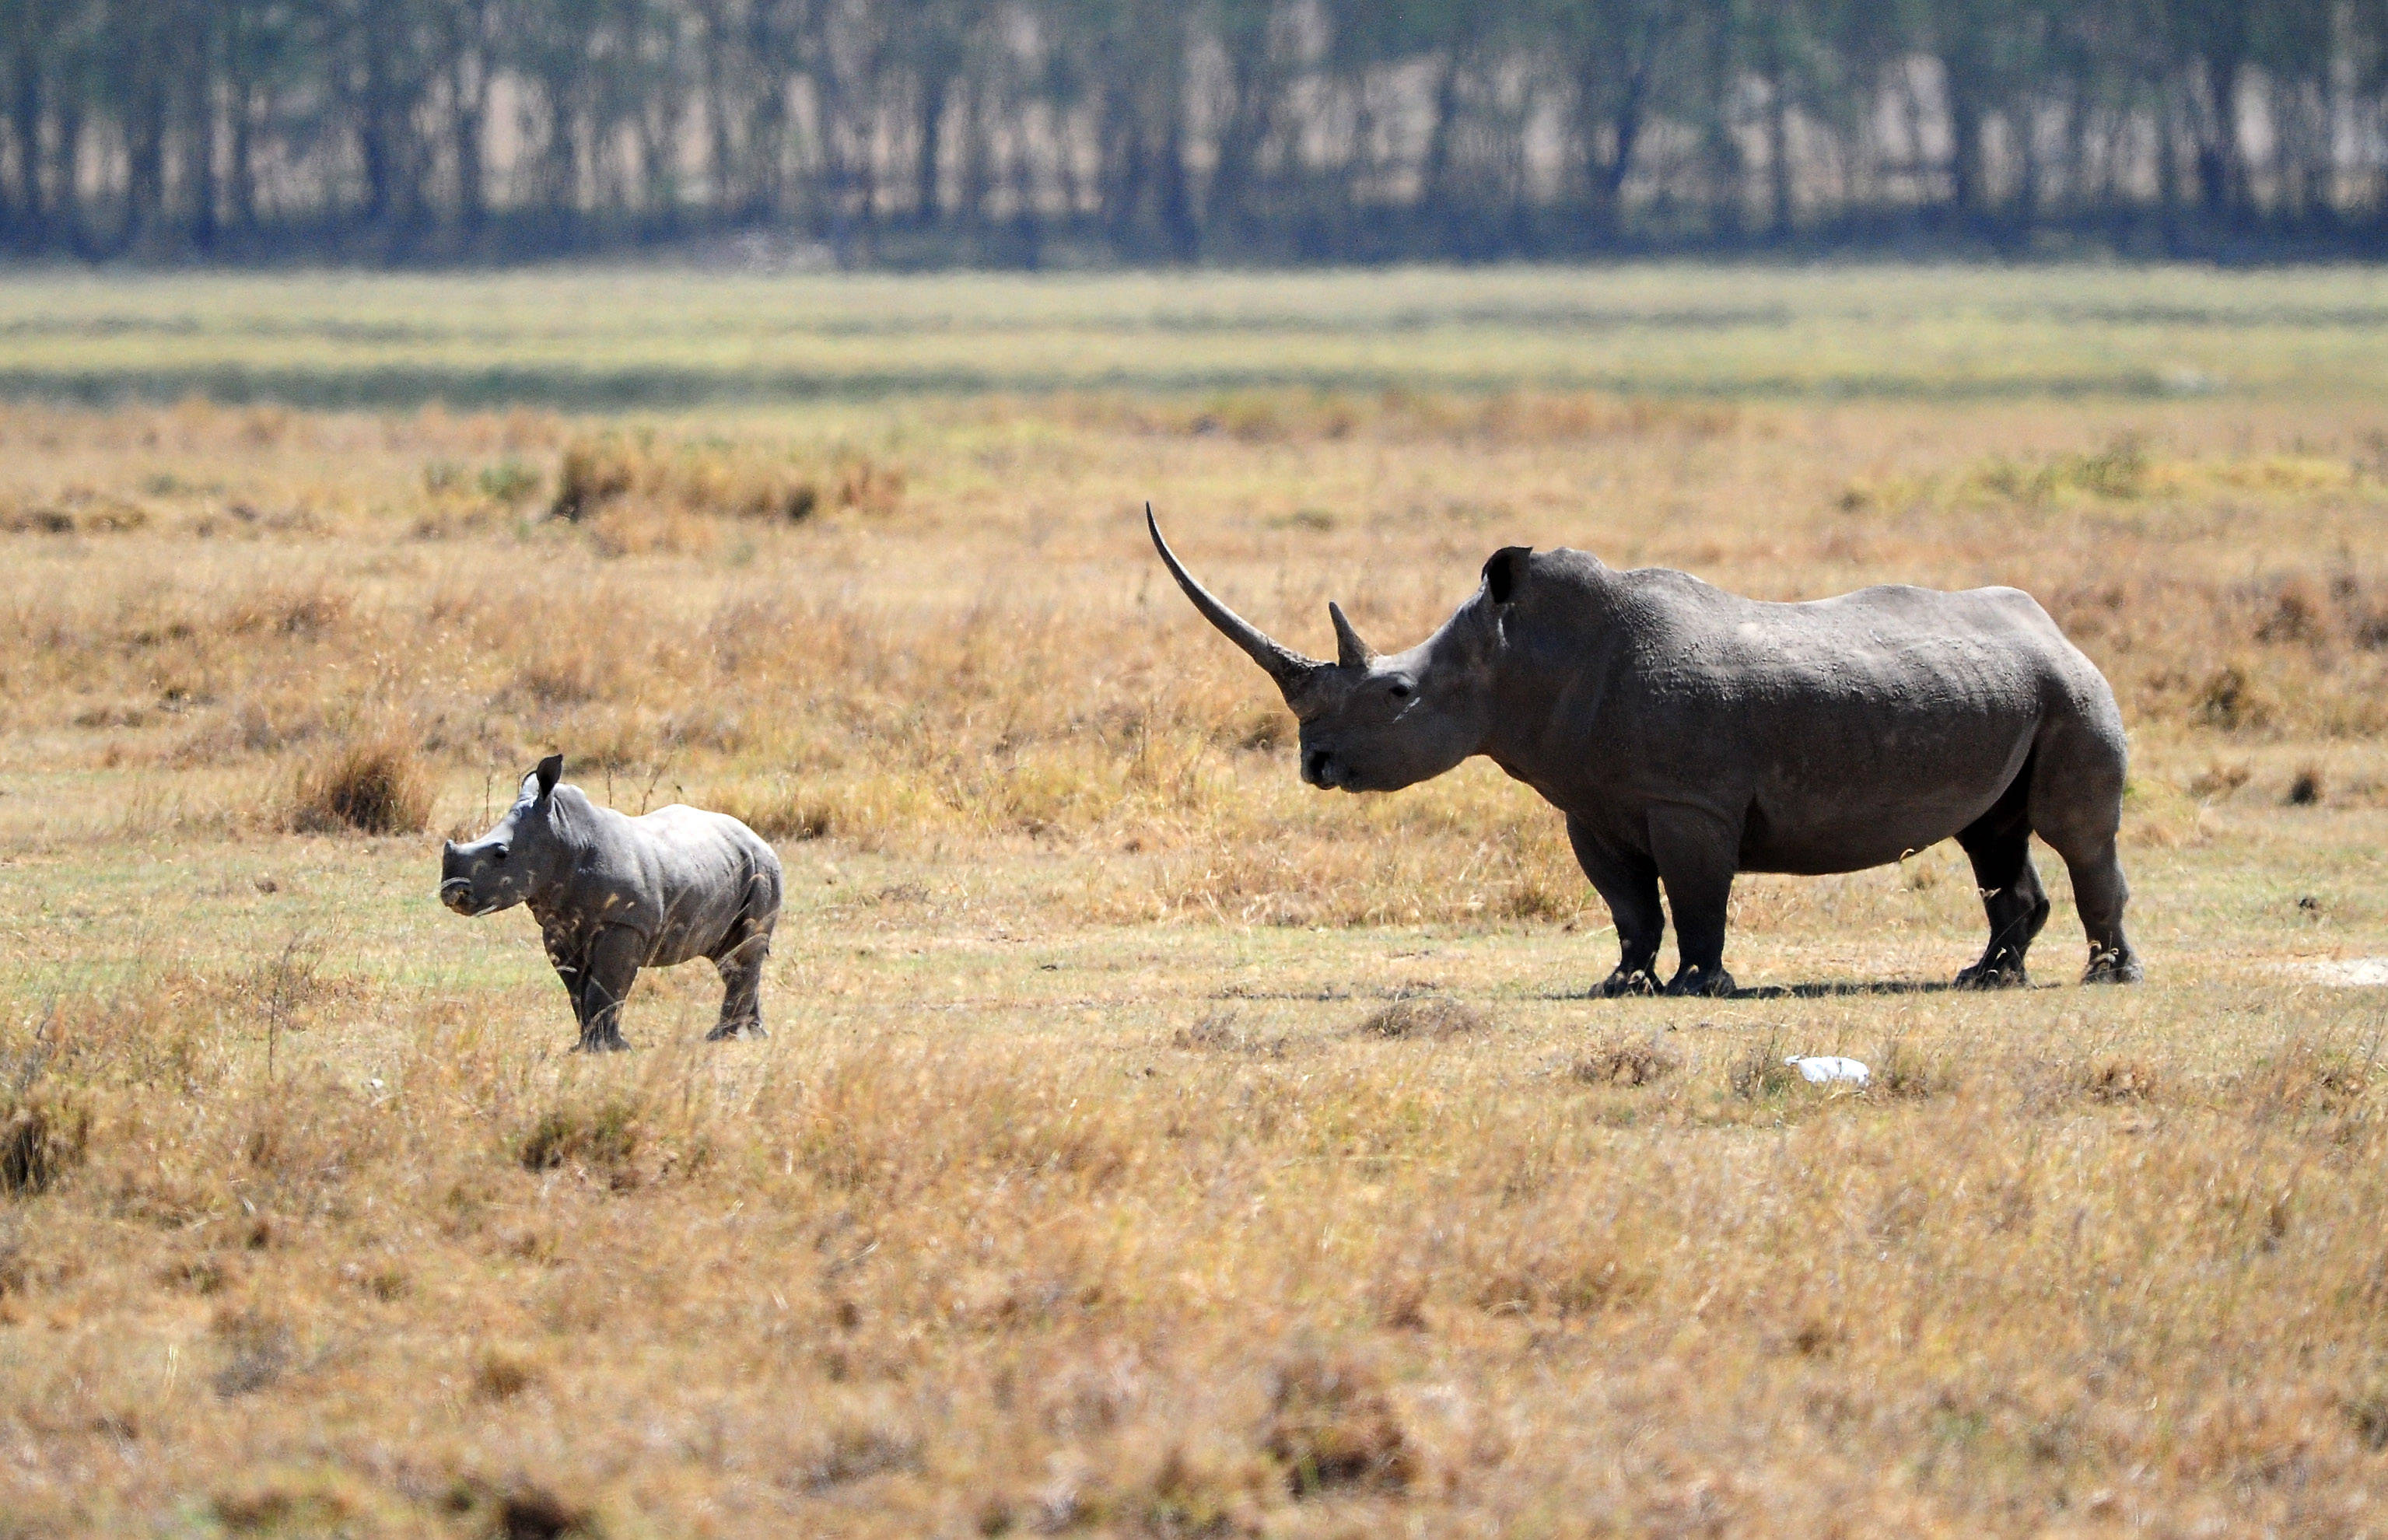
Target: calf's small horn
(1349, 651)
(1290, 669)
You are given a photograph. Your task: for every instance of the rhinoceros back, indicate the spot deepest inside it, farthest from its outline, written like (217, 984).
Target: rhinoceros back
(710, 873)
(691, 882)
(1836, 734)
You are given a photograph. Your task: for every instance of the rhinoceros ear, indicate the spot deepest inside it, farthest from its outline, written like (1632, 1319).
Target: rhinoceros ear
(1504, 569)
(550, 770)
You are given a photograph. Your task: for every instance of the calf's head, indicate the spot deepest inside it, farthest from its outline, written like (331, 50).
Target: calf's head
(511, 861)
(1372, 721)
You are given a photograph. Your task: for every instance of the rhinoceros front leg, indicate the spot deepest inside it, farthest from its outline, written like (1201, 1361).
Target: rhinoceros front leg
(607, 971)
(1629, 886)
(1697, 854)
(567, 958)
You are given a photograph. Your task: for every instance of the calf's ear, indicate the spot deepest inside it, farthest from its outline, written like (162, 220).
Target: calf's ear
(550, 770)
(1503, 570)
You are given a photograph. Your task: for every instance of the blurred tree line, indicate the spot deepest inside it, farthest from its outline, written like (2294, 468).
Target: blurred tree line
(1043, 130)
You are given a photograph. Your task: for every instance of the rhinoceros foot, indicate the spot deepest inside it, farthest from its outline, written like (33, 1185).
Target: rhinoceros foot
(1690, 980)
(727, 1030)
(1628, 981)
(2003, 972)
(2113, 966)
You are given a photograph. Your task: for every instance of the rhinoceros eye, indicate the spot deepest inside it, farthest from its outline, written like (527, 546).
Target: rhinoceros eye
(499, 852)
(1399, 690)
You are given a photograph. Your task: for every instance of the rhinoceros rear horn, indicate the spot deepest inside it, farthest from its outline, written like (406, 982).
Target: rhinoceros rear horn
(1349, 651)
(1290, 669)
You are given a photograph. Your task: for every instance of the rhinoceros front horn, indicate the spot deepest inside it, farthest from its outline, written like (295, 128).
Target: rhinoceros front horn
(1290, 669)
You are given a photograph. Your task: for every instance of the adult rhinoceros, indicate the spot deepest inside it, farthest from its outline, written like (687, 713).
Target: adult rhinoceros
(1688, 734)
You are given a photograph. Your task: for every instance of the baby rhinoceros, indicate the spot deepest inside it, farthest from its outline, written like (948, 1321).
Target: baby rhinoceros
(615, 894)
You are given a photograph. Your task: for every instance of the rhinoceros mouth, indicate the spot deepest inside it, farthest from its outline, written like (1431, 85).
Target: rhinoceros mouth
(1326, 770)
(457, 894)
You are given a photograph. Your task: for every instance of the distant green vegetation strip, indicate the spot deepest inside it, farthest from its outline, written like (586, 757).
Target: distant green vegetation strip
(629, 389)
(622, 339)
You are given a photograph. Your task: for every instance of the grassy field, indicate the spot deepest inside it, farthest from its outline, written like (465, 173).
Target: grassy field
(1146, 1144)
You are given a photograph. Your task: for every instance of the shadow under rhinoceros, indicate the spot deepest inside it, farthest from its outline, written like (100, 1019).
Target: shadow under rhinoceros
(1838, 987)
(1832, 990)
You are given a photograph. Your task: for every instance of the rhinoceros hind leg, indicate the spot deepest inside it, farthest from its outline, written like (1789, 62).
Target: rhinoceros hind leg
(2076, 806)
(2100, 892)
(741, 1003)
(2117, 966)
(742, 989)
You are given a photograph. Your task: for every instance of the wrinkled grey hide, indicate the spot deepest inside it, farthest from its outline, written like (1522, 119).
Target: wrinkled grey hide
(615, 894)
(1689, 734)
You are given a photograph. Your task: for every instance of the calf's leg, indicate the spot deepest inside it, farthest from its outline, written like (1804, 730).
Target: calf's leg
(567, 953)
(607, 973)
(742, 985)
(569, 973)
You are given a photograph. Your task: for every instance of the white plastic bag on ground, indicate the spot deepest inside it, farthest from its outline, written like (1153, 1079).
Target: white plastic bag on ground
(1826, 1070)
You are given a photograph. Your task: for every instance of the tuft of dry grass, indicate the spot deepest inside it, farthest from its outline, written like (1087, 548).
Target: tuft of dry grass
(293, 1502)
(777, 813)
(2232, 699)
(1905, 1069)
(74, 511)
(2120, 1079)
(500, 1374)
(1760, 1074)
(1627, 1059)
(1331, 1424)
(376, 786)
(716, 476)
(43, 1137)
(1223, 1032)
(2219, 781)
(2306, 1080)
(526, 1510)
(603, 1138)
(1429, 1017)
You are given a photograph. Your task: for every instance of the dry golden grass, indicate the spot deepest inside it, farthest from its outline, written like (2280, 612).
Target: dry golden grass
(374, 787)
(1148, 1145)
